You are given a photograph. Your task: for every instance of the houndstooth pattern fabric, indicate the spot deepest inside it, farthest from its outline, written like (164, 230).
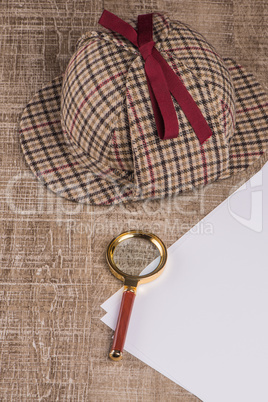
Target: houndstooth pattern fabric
(90, 135)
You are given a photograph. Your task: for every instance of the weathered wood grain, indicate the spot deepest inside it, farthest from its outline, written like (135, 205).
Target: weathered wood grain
(53, 274)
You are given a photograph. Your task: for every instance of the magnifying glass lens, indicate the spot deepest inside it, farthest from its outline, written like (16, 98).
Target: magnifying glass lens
(133, 255)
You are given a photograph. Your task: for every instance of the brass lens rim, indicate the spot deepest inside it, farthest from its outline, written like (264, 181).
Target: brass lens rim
(123, 276)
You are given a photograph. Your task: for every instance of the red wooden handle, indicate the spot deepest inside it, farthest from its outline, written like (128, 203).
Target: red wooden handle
(122, 325)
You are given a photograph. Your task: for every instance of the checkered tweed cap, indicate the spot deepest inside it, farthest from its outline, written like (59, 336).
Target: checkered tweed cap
(90, 135)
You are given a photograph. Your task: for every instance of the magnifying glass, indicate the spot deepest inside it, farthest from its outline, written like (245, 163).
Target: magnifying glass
(131, 283)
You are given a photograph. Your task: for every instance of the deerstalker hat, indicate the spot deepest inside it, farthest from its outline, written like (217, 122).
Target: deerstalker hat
(143, 113)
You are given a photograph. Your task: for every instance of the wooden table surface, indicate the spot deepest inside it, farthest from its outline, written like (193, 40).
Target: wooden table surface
(53, 271)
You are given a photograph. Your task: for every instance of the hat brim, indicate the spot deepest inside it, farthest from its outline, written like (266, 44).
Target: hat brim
(250, 138)
(54, 162)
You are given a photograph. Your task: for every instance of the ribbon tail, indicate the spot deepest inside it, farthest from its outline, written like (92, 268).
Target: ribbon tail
(164, 111)
(111, 21)
(185, 100)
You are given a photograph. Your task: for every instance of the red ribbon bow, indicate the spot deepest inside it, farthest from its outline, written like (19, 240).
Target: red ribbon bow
(161, 79)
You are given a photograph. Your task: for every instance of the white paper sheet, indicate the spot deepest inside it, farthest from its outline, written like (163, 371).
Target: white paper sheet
(204, 322)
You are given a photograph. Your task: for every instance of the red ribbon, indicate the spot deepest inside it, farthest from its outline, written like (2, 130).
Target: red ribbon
(161, 79)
